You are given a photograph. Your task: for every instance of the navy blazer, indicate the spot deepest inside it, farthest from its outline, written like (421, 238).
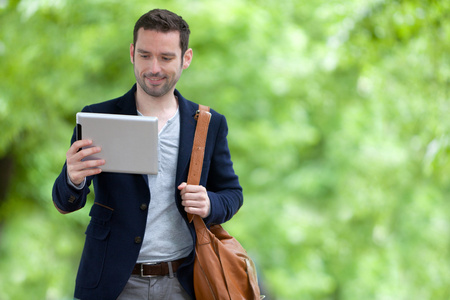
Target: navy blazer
(119, 213)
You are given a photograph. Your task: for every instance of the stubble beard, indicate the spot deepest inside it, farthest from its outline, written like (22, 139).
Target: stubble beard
(156, 91)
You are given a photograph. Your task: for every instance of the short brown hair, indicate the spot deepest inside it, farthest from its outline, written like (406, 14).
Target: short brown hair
(163, 20)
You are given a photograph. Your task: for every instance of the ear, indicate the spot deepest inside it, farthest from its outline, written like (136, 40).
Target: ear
(132, 53)
(187, 58)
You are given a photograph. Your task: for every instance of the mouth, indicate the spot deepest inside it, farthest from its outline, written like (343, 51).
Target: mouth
(155, 80)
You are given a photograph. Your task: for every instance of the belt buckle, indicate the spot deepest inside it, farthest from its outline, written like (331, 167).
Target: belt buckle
(142, 269)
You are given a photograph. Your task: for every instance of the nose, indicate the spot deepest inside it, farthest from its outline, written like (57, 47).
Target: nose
(154, 66)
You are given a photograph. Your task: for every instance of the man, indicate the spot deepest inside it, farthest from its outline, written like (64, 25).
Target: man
(139, 244)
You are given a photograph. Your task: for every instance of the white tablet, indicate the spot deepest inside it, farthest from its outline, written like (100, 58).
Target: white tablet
(129, 143)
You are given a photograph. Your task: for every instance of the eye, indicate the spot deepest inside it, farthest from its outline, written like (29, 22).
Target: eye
(167, 58)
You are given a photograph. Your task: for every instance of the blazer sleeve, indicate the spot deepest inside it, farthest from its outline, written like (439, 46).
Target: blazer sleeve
(66, 198)
(224, 190)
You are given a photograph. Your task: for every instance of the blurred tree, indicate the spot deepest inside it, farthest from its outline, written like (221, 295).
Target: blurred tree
(339, 130)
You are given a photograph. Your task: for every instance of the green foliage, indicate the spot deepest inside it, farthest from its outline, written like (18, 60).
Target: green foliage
(339, 131)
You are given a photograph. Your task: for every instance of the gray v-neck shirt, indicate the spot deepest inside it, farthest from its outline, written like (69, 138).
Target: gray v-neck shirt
(167, 236)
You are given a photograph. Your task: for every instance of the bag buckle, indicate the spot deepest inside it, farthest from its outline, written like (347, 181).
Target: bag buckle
(142, 269)
(197, 114)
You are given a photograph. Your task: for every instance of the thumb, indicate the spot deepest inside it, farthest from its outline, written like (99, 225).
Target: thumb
(182, 186)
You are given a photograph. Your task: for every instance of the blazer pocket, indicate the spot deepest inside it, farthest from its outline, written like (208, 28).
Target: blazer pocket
(93, 257)
(101, 213)
(97, 232)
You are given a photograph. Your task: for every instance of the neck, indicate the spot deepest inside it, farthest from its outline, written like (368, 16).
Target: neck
(156, 106)
(163, 107)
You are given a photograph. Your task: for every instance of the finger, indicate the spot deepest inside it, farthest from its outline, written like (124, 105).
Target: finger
(80, 155)
(77, 147)
(79, 144)
(88, 152)
(182, 186)
(78, 177)
(92, 163)
(202, 212)
(192, 203)
(82, 165)
(76, 169)
(197, 194)
(189, 188)
(193, 210)
(190, 196)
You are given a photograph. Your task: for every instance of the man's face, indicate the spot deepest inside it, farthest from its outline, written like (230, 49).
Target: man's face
(158, 61)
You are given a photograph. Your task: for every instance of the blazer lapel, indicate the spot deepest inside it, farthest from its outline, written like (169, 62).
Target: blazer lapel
(187, 131)
(127, 103)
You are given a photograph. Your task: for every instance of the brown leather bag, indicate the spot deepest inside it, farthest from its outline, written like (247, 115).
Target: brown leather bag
(222, 268)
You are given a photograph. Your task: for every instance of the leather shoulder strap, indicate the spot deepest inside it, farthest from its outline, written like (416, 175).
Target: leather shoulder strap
(203, 117)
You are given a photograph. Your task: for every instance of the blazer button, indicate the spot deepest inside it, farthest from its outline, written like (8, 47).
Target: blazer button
(143, 206)
(137, 240)
(72, 199)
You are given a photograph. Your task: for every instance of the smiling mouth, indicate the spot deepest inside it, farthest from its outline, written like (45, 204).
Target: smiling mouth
(155, 80)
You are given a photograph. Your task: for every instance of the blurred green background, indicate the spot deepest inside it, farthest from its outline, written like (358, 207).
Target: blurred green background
(339, 130)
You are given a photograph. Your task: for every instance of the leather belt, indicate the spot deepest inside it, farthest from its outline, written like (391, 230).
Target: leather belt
(159, 269)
